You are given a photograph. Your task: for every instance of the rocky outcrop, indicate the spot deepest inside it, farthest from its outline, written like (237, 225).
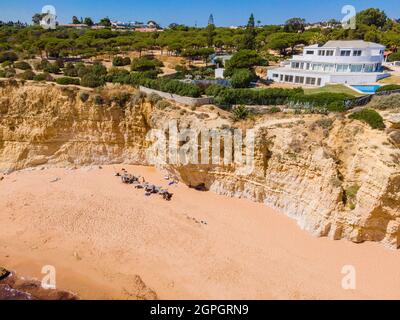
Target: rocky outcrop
(337, 177)
(14, 287)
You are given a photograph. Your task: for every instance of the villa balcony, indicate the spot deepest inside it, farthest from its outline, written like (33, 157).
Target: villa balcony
(337, 59)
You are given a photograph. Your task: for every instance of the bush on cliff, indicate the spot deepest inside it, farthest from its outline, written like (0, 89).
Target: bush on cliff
(68, 81)
(373, 118)
(27, 75)
(22, 65)
(389, 87)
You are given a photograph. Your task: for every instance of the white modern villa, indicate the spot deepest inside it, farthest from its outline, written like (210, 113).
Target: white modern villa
(347, 62)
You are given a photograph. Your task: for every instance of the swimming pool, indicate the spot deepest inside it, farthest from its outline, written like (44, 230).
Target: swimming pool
(367, 88)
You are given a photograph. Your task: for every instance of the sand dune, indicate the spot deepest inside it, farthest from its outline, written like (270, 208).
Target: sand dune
(107, 240)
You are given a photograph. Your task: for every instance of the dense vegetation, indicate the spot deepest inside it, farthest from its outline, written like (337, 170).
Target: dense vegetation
(276, 96)
(251, 45)
(373, 118)
(389, 87)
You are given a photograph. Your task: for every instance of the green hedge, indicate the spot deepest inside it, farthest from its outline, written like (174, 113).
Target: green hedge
(373, 118)
(389, 87)
(276, 96)
(172, 86)
(67, 81)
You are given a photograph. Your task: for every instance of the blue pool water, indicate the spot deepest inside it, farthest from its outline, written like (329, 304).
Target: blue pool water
(367, 89)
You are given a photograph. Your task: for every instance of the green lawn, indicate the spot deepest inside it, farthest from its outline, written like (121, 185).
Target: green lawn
(333, 88)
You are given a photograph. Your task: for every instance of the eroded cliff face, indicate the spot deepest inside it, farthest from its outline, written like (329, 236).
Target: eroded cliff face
(335, 176)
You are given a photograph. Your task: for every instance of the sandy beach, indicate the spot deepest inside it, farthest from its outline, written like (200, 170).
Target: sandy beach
(100, 234)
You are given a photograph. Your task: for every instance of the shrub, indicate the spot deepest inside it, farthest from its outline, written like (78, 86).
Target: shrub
(116, 75)
(6, 64)
(369, 116)
(214, 90)
(27, 75)
(154, 98)
(8, 56)
(10, 72)
(43, 77)
(84, 96)
(121, 98)
(92, 80)
(51, 68)
(98, 100)
(172, 86)
(59, 63)
(2, 74)
(274, 110)
(394, 56)
(145, 64)
(22, 65)
(163, 104)
(242, 78)
(241, 113)
(70, 70)
(68, 81)
(121, 61)
(385, 102)
(351, 195)
(324, 123)
(389, 87)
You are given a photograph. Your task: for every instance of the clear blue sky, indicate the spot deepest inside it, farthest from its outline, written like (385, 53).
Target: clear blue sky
(226, 12)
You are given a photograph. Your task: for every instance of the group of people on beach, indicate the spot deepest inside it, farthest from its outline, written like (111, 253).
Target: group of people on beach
(140, 183)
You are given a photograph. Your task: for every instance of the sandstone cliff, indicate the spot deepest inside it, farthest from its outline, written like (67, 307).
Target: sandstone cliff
(335, 176)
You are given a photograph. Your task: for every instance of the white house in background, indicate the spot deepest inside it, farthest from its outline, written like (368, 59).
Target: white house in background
(346, 62)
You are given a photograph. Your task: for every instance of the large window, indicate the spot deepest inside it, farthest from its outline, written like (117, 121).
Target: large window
(356, 67)
(318, 67)
(357, 53)
(321, 52)
(369, 68)
(345, 53)
(330, 53)
(342, 68)
(310, 81)
(329, 68)
(288, 78)
(299, 79)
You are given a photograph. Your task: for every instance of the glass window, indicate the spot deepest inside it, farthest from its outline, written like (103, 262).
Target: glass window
(369, 68)
(345, 53)
(342, 68)
(319, 82)
(309, 52)
(310, 81)
(299, 79)
(329, 67)
(317, 67)
(356, 68)
(321, 52)
(288, 78)
(357, 53)
(329, 53)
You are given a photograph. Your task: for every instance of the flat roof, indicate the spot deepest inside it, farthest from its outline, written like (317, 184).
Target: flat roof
(358, 44)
